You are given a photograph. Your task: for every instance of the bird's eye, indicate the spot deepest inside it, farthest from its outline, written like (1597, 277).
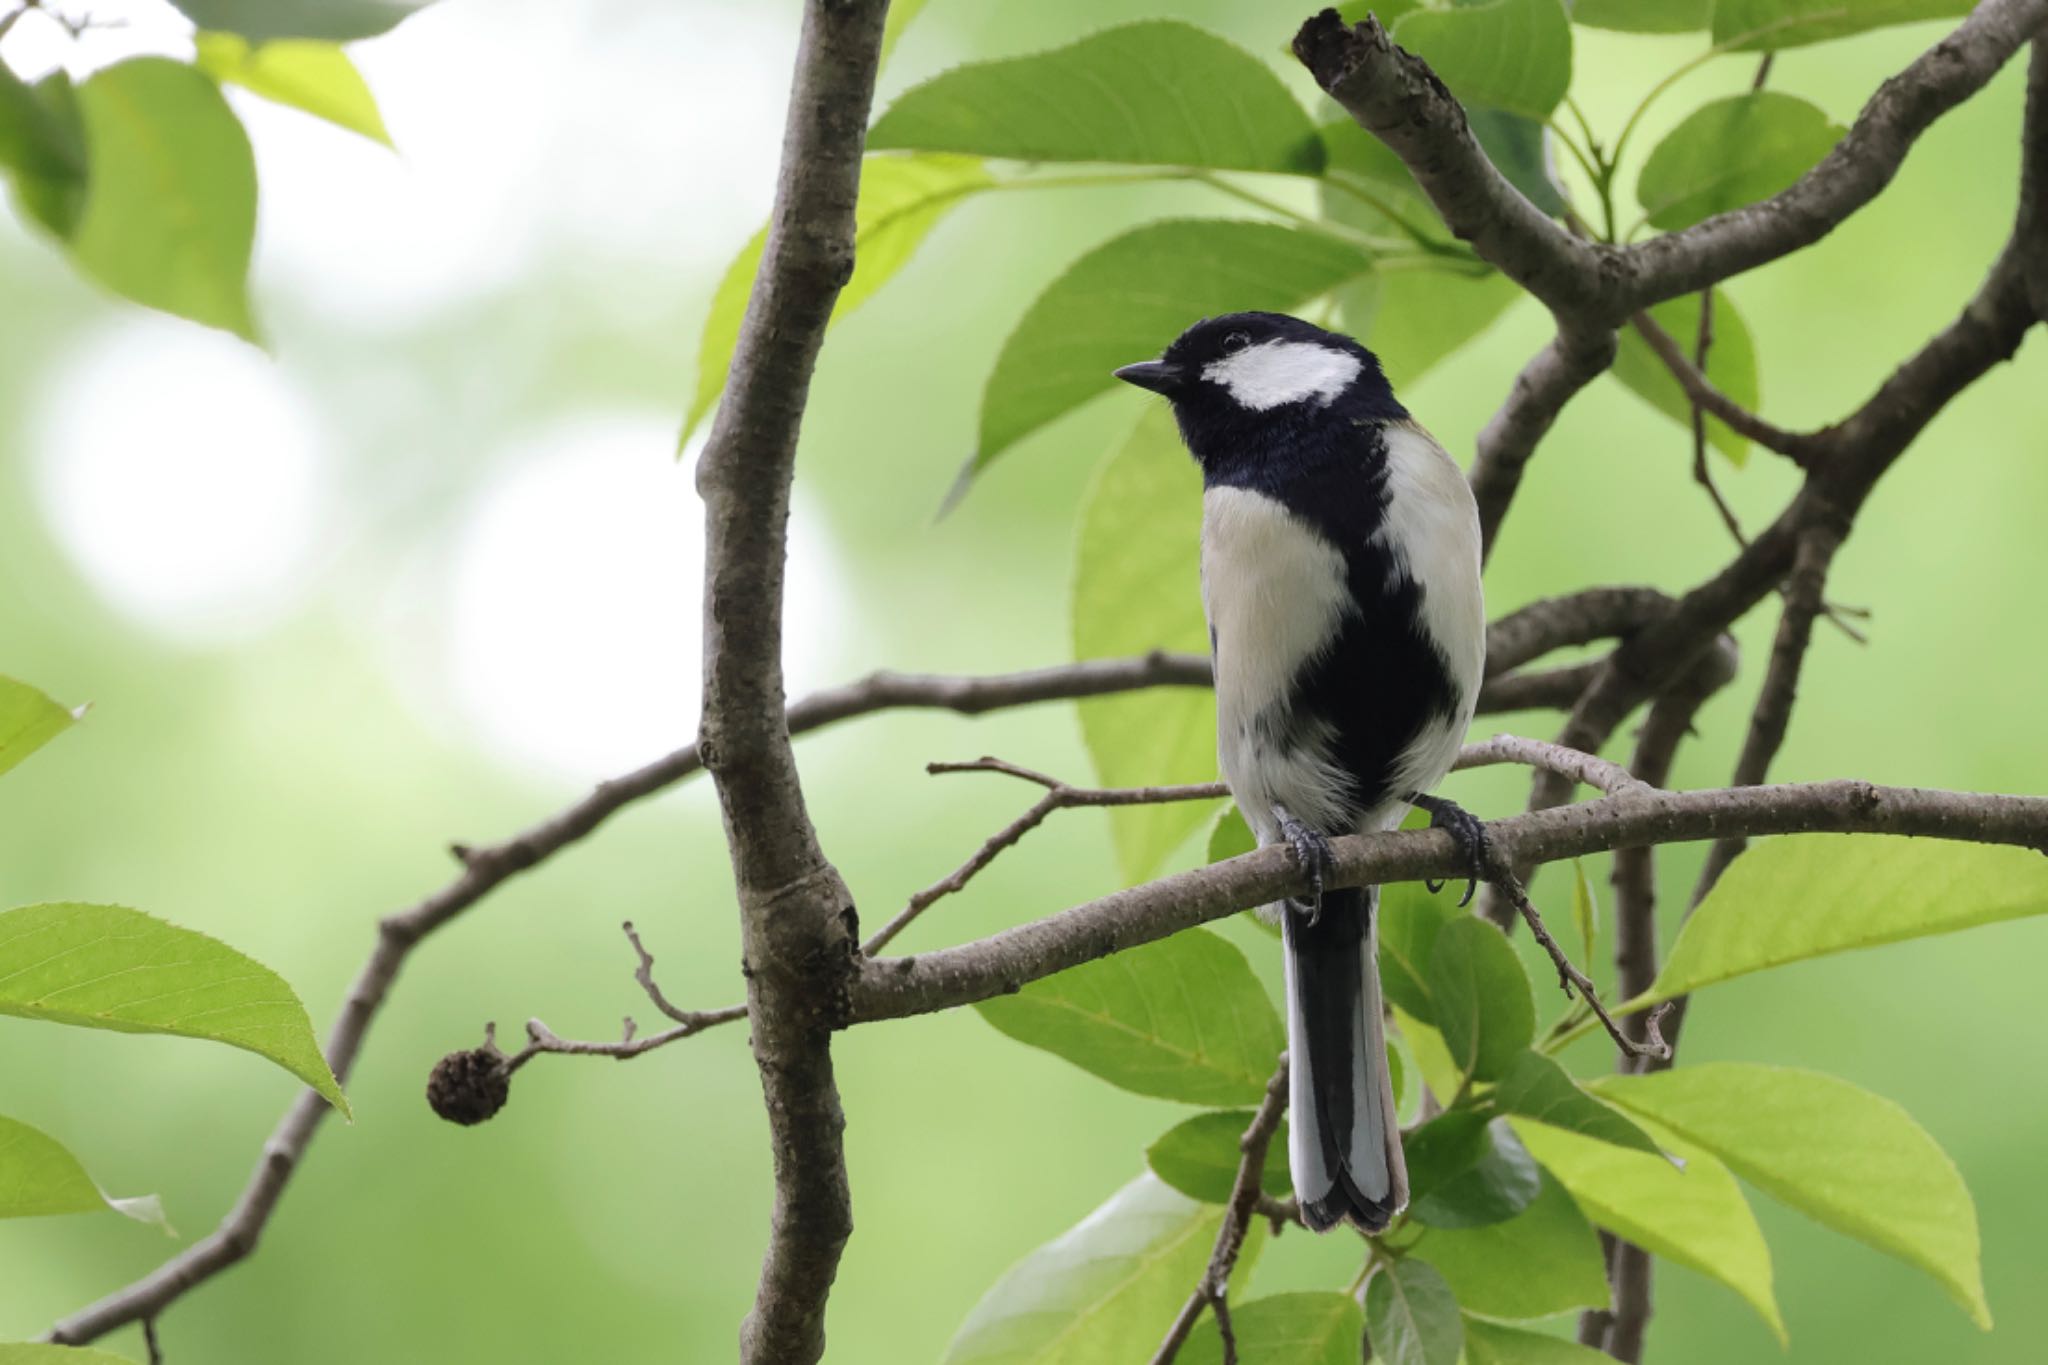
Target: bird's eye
(1236, 341)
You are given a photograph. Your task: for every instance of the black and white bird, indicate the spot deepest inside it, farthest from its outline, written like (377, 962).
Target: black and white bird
(1340, 575)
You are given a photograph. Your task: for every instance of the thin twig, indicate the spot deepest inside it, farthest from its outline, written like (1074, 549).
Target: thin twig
(632, 1043)
(1058, 796)
(1501, 875)
(1702, 471)
(1611, 778)
(1213, 1289)
(644, 974)
(1702, 393)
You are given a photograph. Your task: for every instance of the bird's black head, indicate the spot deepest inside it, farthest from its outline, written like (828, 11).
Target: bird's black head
(1242, 382)
(1250, 387)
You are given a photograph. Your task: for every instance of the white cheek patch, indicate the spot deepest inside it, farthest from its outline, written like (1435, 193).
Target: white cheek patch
(1276, 372)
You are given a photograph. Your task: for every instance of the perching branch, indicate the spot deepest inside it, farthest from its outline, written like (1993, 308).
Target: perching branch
(894, 988)
(1213, 1290)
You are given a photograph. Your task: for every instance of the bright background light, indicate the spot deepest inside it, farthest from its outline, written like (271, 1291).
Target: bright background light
(572, 637)
(186, 475)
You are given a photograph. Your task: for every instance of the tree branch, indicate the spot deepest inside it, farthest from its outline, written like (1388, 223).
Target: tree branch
(486, 868)
(1791, 444)
(632, 1043)
(1854, 455)
(2031, 232)
(892, 988)
(1611, 778)
(1396, 97)
(798, 930)
(1635, 877)
(1574, 358)
(1849, 176)
(1243, 1205)
(1668, 724)
(1590, 287)
(1058, 796)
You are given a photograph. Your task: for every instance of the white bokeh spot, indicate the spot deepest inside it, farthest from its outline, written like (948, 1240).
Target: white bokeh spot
(184, 474)
(573, 641)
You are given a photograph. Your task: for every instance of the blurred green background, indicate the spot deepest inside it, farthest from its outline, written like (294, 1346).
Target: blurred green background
(430, 568)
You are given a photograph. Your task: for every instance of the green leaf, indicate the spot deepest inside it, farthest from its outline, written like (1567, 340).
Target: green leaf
(1199, 1156)
(28, 721)
(335, 21)
(1410, 920)
(32, 141)
(1444, 1148)
(102, 966)
(1499, 1184)
(1770, 24)
(1585, 908)
(1489, 1343)
(1282, 1329)
(1361, 166)
(902, 198)
(1183, 1019)
(1137, 587)
(315, 77)
(1413, 319)
(1159, 93)
(1792, 898)
(1230, 836)
(1126, 299)
(1644, 16)
(1696, 1217)
(1844, 1157)
(1731, 152)
(38, 1176)
(1536, 1087)
(1731, 364)
(1433, 1061)
(1105, 1291)
(42, 143)
(1508, 54)
(36, 1353)
(1544, 1260)
(170, 213)
(1481, 997)
(1412, 1316)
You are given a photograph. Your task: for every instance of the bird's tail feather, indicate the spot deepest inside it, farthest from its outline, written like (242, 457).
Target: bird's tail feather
(1344, 1141)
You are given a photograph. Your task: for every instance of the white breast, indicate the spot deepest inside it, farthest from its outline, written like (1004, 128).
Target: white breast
(1273, 590)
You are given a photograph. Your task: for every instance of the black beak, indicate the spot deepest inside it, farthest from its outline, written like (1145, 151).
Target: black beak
(1155, 375)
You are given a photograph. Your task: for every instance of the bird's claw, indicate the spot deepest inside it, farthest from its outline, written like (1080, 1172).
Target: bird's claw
(1467, 830)
(1312, 851)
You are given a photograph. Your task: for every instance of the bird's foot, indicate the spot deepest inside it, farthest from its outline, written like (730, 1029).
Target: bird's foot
(1312, 851)
(1469, 832)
